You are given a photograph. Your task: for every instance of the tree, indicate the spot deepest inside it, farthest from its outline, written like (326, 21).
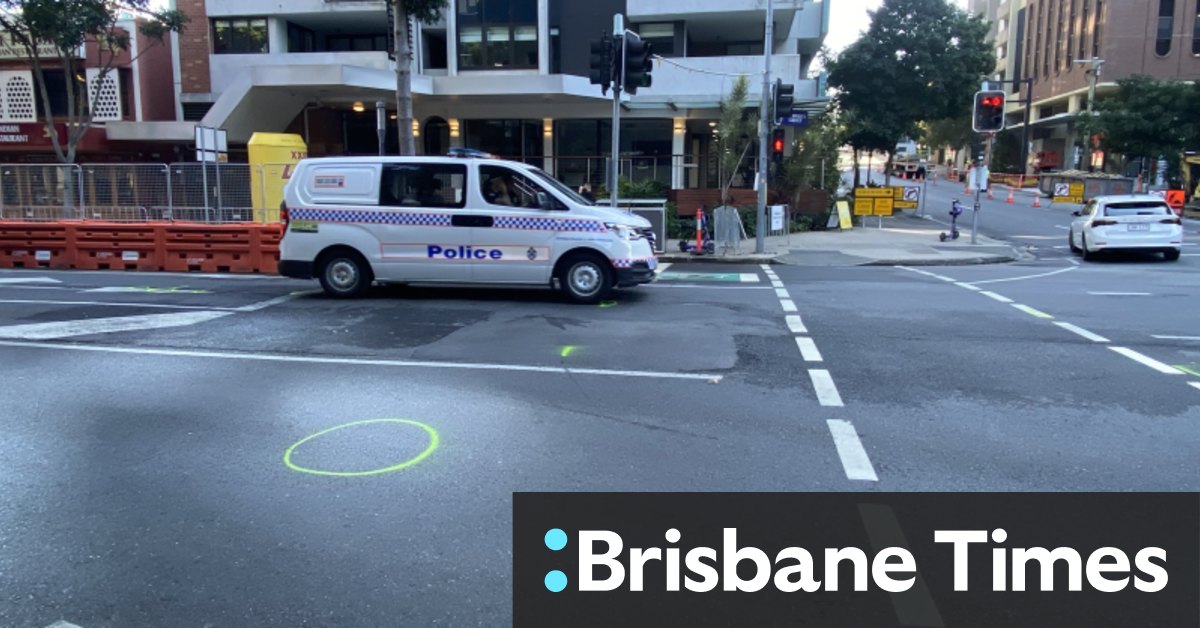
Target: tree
(405, 12)
(947, 132)
(57, 30)
(1146, 118)
(813, 161)
(919, 60)
(736, 131)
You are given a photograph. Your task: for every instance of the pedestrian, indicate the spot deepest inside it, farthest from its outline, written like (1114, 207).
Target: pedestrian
(585, 191)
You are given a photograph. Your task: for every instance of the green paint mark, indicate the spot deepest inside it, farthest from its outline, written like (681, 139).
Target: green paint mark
(567, 351)
(608, 304)
(720, 277)
(1187, 369)
(434, 441)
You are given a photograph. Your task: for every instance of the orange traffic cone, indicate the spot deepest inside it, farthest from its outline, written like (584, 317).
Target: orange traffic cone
(1037, 200)
(990, 197)
(1009, 200)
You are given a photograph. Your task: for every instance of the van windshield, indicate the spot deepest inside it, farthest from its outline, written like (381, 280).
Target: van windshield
(558, 185)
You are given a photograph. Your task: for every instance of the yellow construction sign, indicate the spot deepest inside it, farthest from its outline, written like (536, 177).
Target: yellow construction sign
(273, 157)
(844, 219)
(874, 201)
(1068, 193)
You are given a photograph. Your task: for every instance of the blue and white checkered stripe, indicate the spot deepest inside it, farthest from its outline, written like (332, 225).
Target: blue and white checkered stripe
(628, 263)
(546, 224)
(418, 219)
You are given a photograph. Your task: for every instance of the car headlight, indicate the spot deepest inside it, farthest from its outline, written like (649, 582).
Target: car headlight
(625, 232)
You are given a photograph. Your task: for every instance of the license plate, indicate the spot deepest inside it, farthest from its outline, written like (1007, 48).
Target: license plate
(1139, 227)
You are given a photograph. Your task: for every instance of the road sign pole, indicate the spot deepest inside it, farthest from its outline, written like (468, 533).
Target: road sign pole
(764, 131)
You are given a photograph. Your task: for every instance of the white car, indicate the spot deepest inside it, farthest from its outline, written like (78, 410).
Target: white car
(352, 221)
(1126, 223)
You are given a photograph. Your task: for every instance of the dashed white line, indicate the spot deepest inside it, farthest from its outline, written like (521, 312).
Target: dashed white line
(775, 283)
(997, 297)
(1031, 311)
(270, 357)
(808, 350)
(765, 266)
(967, 286)
(855, 461)
(748, 277)
(924, 272)
(827, 392)
(782, 293)
(795, 324)
(788, 305)
(1081, 332)
(1147, 361)
(1176, 337)
(1120, 294)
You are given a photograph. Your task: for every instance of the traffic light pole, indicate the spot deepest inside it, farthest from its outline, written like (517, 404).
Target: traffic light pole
(618, 82)
(764, 133)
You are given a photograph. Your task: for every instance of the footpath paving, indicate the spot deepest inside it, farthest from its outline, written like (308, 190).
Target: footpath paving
(902, 240)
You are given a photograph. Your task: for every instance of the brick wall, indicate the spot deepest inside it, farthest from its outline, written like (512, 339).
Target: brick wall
(194, 48)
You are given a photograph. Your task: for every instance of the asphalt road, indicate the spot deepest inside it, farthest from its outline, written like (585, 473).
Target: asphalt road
(147, 418)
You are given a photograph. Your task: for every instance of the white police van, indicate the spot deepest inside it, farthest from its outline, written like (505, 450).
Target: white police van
(352, 221)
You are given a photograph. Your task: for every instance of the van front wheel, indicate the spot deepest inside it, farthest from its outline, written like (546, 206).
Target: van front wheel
(586, 278)
(344, 274)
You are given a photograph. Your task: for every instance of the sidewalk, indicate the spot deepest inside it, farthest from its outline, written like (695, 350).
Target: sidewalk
(904, 240)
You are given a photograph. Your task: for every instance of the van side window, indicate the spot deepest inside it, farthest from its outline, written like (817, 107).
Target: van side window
(504, 186)
(423, 185)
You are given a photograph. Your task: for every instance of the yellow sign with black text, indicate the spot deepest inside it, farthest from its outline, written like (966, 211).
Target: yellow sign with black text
(844, 219)
(1068, 193)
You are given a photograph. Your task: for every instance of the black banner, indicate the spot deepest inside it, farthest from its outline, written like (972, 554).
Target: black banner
(856, 559)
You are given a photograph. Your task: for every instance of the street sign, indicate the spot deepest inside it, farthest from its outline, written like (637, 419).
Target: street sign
(884, 206)
(777, 218)
(907, 196)
(864, 206)
(843, 212)
(874, 193)
(979, 178)
(797, 118)
(1068, 193)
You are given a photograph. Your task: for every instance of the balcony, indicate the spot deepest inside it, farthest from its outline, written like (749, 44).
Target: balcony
(221, 8)
(686, 87)
(225, 69)
(646, 10)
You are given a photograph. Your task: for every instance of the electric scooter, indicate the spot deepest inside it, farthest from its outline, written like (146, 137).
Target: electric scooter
(956, 210)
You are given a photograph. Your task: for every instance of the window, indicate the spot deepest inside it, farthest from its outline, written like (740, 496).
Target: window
(423, 185)
(504, 186)
(240, 36)
(661, 38)
(1058, 39)
(1070, 36)
(497, 34)
(1196, 30)
(1166, 24)
(301, 39)
(1083, 28)
(1137, 208)
(1099, 21)
(357, 43)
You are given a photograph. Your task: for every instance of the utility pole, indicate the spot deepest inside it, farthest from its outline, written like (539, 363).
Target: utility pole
(764, 131)
(618, 83)
(1093, 76)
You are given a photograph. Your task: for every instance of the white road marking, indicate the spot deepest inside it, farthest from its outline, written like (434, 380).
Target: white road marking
(765, 266)
(854, 458)
(1176, 337)
(993, 295)
(64, 329)
(1031, 311)
(1190, 254)
(808, 350)
(788, 305)
(1074, 262)
(1147, 361)
(775, 283)
(701, 286)
(304, 359)
(1120, 294)
(1081, 331)
(13, 280)
(749, 277)
(262, 305)
(1063, 227)
(967, 286)
(1195, 385)
(795, 324)
(160, 306)
(63, 624)
(662, 268)
(827, 392)
(782, 293)
(919, 271)
(1024, 277)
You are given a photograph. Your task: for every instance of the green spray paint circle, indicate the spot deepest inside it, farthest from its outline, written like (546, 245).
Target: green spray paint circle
(434, 440)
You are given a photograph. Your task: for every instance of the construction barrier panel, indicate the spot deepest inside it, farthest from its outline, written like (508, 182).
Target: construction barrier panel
(146, 246)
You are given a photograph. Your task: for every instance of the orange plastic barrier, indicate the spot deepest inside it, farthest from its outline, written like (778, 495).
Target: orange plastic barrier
(35, 245)
(144, 246)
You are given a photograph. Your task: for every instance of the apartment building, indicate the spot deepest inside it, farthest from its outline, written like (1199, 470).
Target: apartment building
(505, 76)
(1048, 39)
(130, 94)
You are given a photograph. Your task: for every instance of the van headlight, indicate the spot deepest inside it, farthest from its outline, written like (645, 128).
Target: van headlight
(624, 232)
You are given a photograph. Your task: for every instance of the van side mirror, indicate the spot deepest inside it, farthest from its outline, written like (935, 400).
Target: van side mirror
(543, 201)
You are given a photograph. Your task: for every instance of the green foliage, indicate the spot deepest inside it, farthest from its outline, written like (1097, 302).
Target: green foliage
(648, 188)
(919, 60)
(677, 228)
(426, 11)
(814, 148)
(1147, 118)
(947, 132)
(736, 131)
(1006, 152)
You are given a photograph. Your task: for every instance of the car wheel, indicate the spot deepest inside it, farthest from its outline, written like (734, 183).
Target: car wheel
(1172, 255)
(1084, 252)
(345, 274)
(1071, 242)
(586, 278)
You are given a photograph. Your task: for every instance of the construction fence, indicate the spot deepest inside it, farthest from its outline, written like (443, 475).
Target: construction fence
(183, 192)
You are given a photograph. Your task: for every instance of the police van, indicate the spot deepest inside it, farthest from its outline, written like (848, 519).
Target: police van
(352, 221)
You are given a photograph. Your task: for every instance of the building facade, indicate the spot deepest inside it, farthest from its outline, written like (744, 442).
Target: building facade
(1057, 43)
(504, 76)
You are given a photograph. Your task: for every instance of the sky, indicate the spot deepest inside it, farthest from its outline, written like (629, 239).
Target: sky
(849, 18)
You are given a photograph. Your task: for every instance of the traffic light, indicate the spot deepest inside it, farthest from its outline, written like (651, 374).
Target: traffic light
(601, 63)
(777, 145)
(638, 63)
(784, 98)
(988, 116)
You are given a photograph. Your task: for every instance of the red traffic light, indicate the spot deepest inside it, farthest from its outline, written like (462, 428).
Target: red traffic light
(778, 145)
(992, 101)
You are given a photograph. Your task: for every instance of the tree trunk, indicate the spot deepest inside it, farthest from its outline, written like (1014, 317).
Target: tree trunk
(404, 105)
(887, 170)
(857, 173)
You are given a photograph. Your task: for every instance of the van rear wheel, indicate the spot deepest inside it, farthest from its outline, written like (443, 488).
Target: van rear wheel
(344, 274)
(586, 278)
